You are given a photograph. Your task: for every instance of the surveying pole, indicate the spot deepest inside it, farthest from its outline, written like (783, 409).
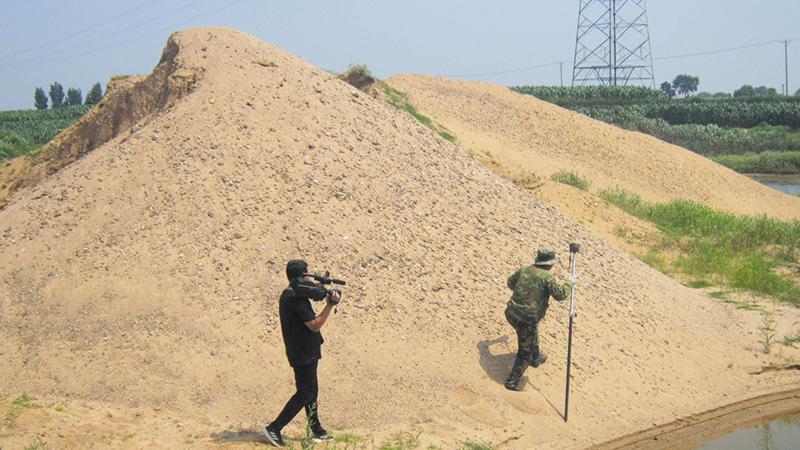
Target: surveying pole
(573, 255)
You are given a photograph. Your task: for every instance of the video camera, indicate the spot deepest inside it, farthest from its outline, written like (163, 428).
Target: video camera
(324, 280)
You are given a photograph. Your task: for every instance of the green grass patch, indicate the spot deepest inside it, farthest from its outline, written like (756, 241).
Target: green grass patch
(470, 445)
(743, 251)
(348, 441)
(359, 69)
(570, 178)
(698, 284)
(654, 259)
(720, 295)
(399, 100)
(38, 444)
(402, 441)
(791, 339)
(746, 306)
(18, 405)
(766, 162)
(25, 401)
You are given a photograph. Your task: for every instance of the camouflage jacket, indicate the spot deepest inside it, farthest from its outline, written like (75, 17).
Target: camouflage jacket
(532, 287)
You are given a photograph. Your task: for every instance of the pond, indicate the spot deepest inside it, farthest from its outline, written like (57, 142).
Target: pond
(778, 434)
(784, 183)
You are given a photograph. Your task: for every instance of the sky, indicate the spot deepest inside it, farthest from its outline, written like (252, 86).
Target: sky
(510, 42)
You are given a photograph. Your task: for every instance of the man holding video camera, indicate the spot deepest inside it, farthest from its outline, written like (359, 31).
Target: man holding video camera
(301, 336)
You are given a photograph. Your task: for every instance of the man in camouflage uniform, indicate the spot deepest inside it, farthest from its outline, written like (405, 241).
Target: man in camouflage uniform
(532, 288)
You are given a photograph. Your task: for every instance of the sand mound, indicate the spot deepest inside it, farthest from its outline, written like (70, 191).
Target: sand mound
(128, 101)
(522, 134)
(147, 274)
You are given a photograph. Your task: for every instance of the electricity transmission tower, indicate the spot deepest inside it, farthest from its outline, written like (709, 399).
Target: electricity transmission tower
(612, 46)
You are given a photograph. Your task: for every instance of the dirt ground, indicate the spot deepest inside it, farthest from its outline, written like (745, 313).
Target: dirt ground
(138, 286)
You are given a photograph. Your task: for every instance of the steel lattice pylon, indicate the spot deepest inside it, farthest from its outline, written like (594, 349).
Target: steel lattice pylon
(612, 46)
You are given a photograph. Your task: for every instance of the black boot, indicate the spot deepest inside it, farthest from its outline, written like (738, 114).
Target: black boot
(539, 359)
(512, 383)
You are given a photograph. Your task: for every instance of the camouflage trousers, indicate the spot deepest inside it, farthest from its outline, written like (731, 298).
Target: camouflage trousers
(527, 347)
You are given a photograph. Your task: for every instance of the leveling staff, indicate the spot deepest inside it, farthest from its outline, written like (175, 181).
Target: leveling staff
(301, 335)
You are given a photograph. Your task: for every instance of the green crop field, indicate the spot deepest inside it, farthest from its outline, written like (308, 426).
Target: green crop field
(723, 113)
(726, 129)
(555, 94)
(24, 131)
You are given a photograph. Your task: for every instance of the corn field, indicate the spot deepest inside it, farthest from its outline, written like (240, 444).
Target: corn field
(25, 130)
(39, 126)
(733, 113)
(556, 94)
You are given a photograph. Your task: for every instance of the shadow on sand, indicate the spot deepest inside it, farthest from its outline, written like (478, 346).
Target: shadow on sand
(496, 367)
(228, 436)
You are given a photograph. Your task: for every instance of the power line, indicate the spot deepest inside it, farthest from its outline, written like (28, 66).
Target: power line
(522, 69)
(91, 27)
(60, 56)
(662, 58)
(723, 50)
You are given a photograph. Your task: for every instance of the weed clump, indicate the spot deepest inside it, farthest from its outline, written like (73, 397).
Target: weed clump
(570, 178)
(767, 331)
(358, 75)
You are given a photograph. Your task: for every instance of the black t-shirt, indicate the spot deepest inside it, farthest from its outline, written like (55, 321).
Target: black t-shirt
(303, 346)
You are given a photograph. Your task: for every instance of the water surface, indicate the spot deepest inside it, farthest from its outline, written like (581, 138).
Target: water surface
(779, 434)
(789, 184)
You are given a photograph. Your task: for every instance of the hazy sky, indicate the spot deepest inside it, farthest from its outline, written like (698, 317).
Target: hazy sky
(80, 42)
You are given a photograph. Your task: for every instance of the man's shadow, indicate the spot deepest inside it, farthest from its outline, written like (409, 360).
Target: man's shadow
(497, 367)
(243, 435)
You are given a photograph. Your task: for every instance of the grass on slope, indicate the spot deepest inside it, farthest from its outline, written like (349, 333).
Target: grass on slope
(757, 254)
(399, 100)
(570, 178)
(360, 77)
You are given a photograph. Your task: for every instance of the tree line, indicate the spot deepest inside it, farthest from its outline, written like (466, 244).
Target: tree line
(59, 99)
(686, 84)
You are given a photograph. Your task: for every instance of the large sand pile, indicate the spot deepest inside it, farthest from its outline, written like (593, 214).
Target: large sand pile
(519, 135)
(146, 274)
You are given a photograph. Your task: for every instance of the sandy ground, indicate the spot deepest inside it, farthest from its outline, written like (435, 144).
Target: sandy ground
(139, 284)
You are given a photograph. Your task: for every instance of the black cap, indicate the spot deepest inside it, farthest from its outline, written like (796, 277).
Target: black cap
(296, 268)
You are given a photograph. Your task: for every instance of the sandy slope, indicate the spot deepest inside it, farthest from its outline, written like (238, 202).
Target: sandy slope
(521, 135)
(144, 277)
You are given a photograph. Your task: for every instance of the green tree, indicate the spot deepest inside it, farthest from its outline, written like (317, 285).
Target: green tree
(722, 95)
(94, 95)
(685, 84)
(74, 97)
(56, 95)
(764, 91)
(745, 91)
(39, 98)
(798, 92)
(667, 90)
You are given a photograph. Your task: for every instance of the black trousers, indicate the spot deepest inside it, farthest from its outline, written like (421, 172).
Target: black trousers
(305, 380)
